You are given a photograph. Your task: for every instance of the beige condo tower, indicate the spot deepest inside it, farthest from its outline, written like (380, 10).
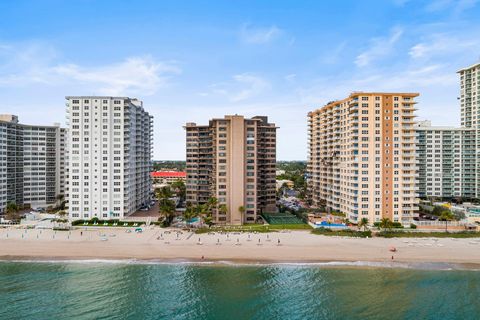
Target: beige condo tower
(232, 159)
(362, 157)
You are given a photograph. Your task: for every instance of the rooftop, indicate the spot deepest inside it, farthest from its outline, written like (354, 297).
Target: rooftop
(168, 174)
(471, 67)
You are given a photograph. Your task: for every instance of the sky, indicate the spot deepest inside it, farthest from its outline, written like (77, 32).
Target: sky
(190, 61)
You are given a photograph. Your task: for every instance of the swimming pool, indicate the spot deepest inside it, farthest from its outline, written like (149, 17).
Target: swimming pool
(325, 224)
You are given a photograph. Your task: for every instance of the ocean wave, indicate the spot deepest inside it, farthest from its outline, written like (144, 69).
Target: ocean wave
(233, 263)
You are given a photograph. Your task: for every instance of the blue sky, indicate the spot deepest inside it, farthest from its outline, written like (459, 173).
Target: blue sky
(193, 60)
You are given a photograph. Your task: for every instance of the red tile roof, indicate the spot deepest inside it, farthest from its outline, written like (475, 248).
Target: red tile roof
(168, 174)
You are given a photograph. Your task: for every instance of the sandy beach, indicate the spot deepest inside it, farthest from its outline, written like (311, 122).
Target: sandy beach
(292, 246)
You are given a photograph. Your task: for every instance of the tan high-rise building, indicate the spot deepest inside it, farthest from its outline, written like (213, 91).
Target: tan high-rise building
(232, 159)
(362, 156)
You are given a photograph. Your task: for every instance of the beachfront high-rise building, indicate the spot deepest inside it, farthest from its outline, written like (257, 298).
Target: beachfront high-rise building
(109, 149)
(362, 158)
(232, 159)
(32, 163)
(446, 161)
(470, 111)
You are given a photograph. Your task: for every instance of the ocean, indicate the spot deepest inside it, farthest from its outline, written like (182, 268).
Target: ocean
(132, 290)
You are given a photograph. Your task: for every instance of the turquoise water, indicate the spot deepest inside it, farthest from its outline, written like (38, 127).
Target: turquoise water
(89, 290)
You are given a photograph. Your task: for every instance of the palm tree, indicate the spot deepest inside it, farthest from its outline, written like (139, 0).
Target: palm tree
(241, 209)
(363, 223)
(208, 220)
(189, 214)
(180, 189)
(212, 203)
(205, 211)
(223, 209)
(446, 216)
(167, 209)
(164, 193)
(385, 223)
(11, 211)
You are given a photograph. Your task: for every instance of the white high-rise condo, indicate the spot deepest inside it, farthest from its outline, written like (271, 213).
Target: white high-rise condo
(446, 161)
(470, 112)
(110, 147)
(32, 163)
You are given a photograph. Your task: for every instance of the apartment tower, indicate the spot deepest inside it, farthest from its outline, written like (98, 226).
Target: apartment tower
(109, 148)
(362, 159)
(232, 159)
(470, 112)
(32, 163)
(446, 161)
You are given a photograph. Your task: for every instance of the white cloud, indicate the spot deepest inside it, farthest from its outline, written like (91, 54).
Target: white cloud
(379, 47)
(445, 45)
(455, 6)
(290, 77)
(255, 35)
(25, 65)
(254, 85)
(243, 87)
(134, 75)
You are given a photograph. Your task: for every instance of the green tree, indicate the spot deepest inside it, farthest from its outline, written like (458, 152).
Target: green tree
(11, 211)
(363, 223)
(167, 210)
(212, 203)
(446, 216)
(180, 189)
(223, 209)
(438, 210)
(190, 213)
(385, 223)
(164, 192)
(241, 209)
(208, 220)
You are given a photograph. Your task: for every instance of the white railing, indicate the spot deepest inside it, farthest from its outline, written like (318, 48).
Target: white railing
(439, 223)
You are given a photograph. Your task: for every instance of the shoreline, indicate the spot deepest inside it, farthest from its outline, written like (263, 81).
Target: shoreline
(418, 265)
(155, 246)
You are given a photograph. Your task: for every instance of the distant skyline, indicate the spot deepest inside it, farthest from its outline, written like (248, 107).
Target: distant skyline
(195, 60)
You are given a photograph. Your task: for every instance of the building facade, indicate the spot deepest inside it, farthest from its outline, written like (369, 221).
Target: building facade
(470, 111)
(446, 161)
(168, 177)
(109, 150)
(232, 159)
(362, 157)
(32, 163)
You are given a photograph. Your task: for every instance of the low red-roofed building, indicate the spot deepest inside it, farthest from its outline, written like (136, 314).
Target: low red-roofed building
(167, 177)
